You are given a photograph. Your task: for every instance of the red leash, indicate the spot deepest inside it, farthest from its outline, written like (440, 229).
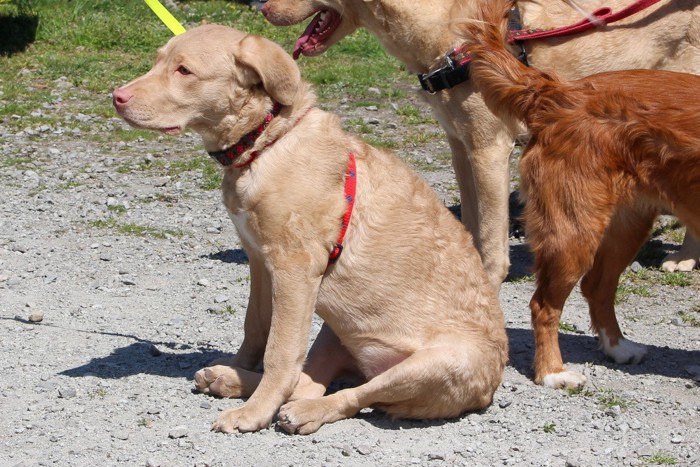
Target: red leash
(604, 15)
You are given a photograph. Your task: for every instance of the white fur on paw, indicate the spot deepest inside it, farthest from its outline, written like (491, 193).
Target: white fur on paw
(564, 380)
(625, 351)
(679, 262)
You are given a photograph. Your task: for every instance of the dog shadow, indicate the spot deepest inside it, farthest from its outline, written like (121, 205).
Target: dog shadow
(583, 349)
(167, 359)
(232, 256)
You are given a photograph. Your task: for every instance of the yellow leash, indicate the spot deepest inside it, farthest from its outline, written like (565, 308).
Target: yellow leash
(165, 16)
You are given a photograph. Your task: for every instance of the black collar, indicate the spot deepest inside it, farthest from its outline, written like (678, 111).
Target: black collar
(456, 69)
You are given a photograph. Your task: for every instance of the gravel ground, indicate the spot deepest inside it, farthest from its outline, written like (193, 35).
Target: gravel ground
(103, 323)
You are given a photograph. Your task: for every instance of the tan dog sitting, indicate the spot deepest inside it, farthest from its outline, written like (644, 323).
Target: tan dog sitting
(407, 305)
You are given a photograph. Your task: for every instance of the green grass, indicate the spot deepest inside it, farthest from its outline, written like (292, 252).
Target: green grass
(661, 458)
(568, 327)
(135, 229)
(676, 279)
(96, 45)
(549, 427)
(691, 317)
(608, 398)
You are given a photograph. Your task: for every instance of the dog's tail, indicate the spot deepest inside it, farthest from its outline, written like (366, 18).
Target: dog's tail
(509, 88)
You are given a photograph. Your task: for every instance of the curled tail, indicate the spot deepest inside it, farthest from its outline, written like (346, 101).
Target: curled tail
(509, 88)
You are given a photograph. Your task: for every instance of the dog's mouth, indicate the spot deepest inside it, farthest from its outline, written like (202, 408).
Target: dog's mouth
(311, 42)
(170, 130)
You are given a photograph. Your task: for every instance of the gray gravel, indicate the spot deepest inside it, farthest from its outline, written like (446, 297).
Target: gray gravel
(102, 329)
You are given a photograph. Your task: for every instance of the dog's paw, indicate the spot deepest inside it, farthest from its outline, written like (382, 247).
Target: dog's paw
(564, 380)
(300, 417)
(678, 262)
(240, 419)
(624, 352)
(219, 380)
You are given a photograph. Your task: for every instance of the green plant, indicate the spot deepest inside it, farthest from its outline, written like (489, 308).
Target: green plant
(608, 398)
(549, 427)
(567, 327)
(676, 279)
(661, 458)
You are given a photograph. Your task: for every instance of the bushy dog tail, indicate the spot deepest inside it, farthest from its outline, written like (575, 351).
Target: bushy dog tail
(509, 88)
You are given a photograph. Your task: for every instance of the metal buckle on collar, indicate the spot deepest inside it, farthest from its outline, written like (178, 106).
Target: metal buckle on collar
(427, 79)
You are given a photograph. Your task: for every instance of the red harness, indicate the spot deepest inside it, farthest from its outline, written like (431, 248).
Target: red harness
(227, 158)
(350, 189)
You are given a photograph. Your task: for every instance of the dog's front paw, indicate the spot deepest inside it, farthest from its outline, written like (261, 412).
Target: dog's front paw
(564, 380)
(300, 416)
(219, 380)
(240, 419)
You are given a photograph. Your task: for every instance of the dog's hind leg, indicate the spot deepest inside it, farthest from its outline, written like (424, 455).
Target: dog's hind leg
(328, 360)
(459, 374)
(628, 230)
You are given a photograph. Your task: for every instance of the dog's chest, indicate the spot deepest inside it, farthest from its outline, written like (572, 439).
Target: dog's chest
(241, 219)
(236, 211)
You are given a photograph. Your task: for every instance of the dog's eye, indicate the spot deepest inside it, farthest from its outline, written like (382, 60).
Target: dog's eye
(183, 70)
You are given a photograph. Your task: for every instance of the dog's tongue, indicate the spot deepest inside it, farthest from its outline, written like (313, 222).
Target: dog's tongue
(306, 35)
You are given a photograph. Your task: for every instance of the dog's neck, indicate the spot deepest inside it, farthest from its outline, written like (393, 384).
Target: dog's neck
(231, 130)
(418, 49)
(232, 155)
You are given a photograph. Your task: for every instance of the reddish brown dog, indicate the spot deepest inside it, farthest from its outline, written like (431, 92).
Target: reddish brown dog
(606, 153)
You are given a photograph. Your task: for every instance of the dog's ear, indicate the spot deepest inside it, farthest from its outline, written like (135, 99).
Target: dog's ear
(275, 68)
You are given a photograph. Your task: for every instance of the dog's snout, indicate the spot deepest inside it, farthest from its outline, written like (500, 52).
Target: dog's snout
(120, 97)
(265, 10)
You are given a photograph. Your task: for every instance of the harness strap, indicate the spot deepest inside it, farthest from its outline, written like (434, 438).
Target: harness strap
(604, 15)
(457, 69)
(350, 189)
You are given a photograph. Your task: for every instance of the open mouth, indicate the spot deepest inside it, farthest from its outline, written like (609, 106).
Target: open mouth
(311, 42)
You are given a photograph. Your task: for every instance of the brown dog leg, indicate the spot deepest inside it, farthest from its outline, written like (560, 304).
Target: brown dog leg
(626, 233)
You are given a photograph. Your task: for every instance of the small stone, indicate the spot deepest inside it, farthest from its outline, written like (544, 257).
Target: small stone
(374, 90)
(122, 435)
(694, 371)
(152, 463)
(154, 351)
(614, 411)
(160, 182)
(178, 432)
(205, 405)
(220, 299)
(504, 403)
(128, 282)
(36, 317)
(677, 440)
(67, 393)
(203, 283)
(372, 108)
(636, 267)
(364, 449)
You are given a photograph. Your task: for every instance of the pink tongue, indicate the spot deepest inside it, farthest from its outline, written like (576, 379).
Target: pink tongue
(306, 35)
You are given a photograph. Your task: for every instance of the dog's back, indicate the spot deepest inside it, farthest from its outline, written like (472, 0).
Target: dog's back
(621, 118)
